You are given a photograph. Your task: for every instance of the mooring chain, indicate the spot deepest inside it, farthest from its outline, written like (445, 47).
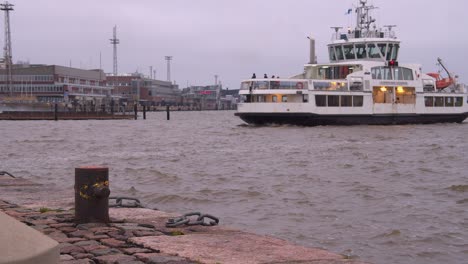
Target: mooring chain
(185, 220)
(7, 173)
(119, 202)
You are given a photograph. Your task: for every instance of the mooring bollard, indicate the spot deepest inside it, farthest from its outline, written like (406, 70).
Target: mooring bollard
(168, 113)
(135, 109)
(92, 195)
(56, 112)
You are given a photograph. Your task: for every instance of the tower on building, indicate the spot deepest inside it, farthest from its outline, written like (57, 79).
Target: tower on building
(7, 7)
(168, 59)
(115, 41)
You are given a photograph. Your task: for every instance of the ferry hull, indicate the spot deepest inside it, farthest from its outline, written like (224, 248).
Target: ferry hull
(309, 119)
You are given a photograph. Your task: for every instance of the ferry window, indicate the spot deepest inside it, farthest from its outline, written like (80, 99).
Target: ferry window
(260, 85)
(284, 99)
(405, 95)
(332, 54)
(358, 101)
(305, 98)
(429, 101)
(361, 51)
(381, 73)
(342, 72)
(406, 73)
(346, 101)
(394, 52)
(372, 51)
(383, 49)
(339, 53)
(382, 95)
(333, 100)
(439, 101)
(274, 98)
(349, 52)
(458, 101)
(448, 101)
(390, 52)
(321, 100)
(397, 74)
(275, 85)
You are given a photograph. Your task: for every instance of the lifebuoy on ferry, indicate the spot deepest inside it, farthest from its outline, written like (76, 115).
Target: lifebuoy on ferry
(442, 83)
(299, 85)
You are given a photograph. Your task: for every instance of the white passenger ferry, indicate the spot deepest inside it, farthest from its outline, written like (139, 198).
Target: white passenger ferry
(362, 84)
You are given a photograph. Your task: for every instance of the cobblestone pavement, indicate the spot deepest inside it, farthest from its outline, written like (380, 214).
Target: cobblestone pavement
(94, 242)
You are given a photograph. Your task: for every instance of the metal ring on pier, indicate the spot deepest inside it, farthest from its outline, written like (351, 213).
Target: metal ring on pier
(185, 220)
(119, 202)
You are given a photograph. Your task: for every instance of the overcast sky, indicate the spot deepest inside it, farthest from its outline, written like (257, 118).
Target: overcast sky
(231, 38)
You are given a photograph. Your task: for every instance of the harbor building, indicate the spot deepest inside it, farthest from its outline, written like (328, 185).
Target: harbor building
(201, 97)
(210, 97)
(137, 88)
(54, 83)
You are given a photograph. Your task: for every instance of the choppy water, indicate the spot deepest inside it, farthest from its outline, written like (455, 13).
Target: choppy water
(385, 194)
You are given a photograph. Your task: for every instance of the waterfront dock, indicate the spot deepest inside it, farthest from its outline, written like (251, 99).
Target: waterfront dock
(47, 115)
(139, 235)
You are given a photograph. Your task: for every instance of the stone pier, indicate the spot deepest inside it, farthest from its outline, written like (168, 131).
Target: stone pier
(139, 235)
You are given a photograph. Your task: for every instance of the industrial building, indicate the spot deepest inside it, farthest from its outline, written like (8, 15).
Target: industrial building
(53, 83)
(136, 88)
(210, 97)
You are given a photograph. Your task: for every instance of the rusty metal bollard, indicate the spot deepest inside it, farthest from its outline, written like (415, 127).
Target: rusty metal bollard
(92, 194)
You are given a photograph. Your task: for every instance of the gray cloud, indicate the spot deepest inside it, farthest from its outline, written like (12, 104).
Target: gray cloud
(229, 38)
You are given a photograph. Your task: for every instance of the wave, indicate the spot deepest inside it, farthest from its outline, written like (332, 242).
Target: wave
(459, 188)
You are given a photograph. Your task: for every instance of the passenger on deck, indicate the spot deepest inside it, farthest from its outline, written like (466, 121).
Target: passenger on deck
(273, 77)
(254, 76)
(265, 76)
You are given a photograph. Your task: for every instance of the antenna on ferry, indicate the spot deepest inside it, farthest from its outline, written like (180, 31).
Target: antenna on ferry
(390, 32)
(337, 29)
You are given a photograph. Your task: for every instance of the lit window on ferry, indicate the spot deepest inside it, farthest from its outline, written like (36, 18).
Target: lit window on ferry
(305, 98)
(274, 98)
(405, 95)
(439, 101)
(382, 95)
(429, 101)
(284, 99)
(458, 101)
(346, 101)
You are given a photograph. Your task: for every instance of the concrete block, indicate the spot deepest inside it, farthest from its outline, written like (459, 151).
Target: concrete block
(21, 244)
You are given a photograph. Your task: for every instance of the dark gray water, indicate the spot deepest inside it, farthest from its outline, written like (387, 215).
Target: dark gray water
(385, 194)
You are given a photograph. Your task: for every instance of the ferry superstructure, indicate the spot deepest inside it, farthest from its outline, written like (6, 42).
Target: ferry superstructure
(362, 84)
